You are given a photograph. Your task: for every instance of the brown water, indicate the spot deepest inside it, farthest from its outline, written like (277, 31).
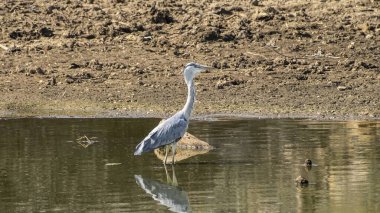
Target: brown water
(252, 169)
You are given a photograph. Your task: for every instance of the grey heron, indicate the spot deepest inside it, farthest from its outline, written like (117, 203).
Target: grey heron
(172, 129)
(168, 194)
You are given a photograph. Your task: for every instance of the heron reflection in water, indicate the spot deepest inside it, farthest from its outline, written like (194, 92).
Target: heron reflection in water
(170, 131)
(169, 194)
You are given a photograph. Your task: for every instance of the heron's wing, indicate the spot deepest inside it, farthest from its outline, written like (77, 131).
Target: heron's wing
(165, 133)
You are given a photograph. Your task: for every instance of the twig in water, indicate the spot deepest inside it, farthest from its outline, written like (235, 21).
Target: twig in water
(84, 141)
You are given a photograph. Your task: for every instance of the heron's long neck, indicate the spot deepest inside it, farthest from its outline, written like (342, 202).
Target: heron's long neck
(190, 99)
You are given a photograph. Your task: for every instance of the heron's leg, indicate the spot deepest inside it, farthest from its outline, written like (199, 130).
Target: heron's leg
(173, 152)
(168, 180)
(166, 153)
(175, 182)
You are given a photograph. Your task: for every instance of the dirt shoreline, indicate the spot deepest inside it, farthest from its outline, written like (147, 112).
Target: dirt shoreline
(199, 116)
(97, 58)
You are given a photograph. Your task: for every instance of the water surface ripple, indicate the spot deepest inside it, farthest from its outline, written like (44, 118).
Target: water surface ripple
(252, 169)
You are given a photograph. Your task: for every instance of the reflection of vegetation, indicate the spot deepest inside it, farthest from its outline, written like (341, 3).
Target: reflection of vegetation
(169, 195)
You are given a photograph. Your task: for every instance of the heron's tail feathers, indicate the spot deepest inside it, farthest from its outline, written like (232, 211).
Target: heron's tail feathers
(139, 148)
(145, 146)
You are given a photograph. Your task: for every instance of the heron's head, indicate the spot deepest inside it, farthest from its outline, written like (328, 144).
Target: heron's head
(192, 69)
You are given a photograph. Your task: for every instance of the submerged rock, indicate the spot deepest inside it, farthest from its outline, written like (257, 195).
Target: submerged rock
(187, 147)
(301, 181)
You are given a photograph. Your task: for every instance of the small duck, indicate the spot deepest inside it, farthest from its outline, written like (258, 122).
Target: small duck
(308, 162)
(308, 165)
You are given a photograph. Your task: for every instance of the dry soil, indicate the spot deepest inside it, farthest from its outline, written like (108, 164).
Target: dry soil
(273, 58)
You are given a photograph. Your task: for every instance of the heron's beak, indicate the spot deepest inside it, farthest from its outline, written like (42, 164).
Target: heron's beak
(204, 67)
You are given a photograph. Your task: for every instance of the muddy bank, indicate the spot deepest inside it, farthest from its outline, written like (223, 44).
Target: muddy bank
(117, 58)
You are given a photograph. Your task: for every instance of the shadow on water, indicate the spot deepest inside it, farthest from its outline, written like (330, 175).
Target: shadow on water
(167, 194)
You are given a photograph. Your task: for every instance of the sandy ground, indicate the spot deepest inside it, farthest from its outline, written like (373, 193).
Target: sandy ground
(315, 59)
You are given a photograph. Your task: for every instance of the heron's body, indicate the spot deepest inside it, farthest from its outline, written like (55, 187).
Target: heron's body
(172, 129)
(168, 132)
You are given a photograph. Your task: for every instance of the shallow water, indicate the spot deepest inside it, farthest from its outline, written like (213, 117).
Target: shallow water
(252, 169)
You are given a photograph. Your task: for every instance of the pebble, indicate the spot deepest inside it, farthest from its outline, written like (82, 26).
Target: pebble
(74, 66)
(212, 34)
(264, 17)
(255, 2)
(343, 88)
(351, 45)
